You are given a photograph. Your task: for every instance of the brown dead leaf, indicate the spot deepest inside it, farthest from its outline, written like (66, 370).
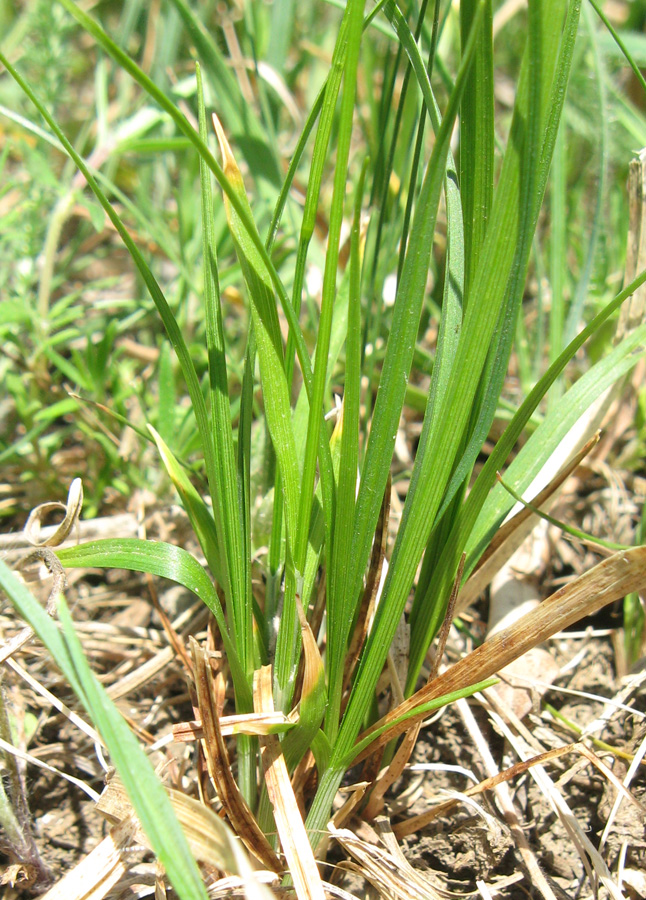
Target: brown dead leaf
(290, 825)
(608, 581)
(236, 808)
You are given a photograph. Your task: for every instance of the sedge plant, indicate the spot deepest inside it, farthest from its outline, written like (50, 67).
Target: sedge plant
(329, 482)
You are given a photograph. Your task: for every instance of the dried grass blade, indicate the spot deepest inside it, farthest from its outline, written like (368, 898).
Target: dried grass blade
(313, 697)
(592, 861)
(174, 639)
(506, 804)
(73, 507)
(606, 582)
(291, 828)
(415, 823)
(358, 792)
(633, 311)
(383, 870)
(57, 703)
(620, 787)
(217, 759)
(392, 773)
(142, 674)
(245, 723)
(210, 840)
(101, 869)
(8, 748)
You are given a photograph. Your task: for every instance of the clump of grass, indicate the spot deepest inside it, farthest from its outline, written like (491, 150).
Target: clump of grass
(329, 487)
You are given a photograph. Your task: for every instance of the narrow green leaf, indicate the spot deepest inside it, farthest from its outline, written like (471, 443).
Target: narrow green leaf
(317, 538)
(620, 43)
(354, 15)
(167, 398)
(567, 529)
(422, 709)
(339, 571)
(558, 263)
(518, 241)
(324, 105)
(268, 340)
(390, 398)
(555, 426)
(488, 329)
(225, 500)
(603, 116)
(477, 137)
(331, 778)
(246, 220)
(148, 797)
(166, 561)
(488, 503)
(198, 512)
(447, 344)
(278, 415)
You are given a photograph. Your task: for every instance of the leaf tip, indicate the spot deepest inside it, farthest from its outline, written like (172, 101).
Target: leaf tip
(229, 163)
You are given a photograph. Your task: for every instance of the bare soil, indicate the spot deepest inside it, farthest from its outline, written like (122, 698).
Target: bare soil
(121, 630)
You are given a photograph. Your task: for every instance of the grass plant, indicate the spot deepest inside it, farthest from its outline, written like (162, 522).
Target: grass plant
(381, 162)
